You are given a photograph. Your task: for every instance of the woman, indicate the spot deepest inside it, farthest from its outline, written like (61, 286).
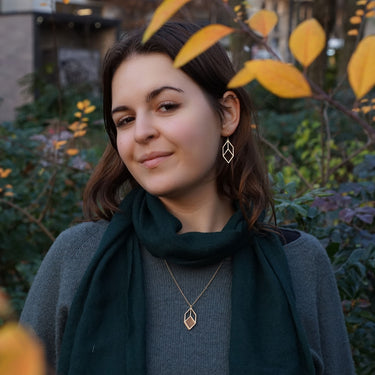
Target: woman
(175, 271)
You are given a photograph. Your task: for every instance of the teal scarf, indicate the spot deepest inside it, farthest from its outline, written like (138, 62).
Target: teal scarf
(105, 331)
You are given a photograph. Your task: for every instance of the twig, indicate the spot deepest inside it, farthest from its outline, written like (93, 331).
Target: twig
(50, 184)
(247, 30)
(29, 217)
(350, 157)
(326, 145)
(277, 151)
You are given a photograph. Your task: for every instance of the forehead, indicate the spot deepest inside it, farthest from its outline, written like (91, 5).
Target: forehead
(142, 73)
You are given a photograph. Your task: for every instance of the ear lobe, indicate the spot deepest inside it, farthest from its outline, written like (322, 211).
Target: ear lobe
(231, 113)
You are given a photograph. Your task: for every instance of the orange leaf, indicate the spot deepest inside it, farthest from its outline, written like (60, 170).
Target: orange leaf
(89, 109)
(366, 109)
(79, 133)
(66, 1)
(4, 173)
(20, 352)
(282, 79)
(361, 67)
(361, 2)
(161, 15)
(359, 12)
(370, 5)
(58, 144)
(370, 14)
(200, 42)
(263, 22)
(355, 20)
(353, 32)
(80, 106)
(307, 41)
(245, 75)
(72, 151)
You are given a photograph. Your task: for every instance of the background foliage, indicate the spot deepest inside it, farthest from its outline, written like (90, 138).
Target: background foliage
(320, 161)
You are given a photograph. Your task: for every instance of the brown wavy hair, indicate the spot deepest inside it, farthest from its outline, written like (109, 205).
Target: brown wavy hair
(244, 180)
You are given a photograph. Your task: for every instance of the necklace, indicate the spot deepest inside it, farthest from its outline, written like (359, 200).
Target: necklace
(190, 316)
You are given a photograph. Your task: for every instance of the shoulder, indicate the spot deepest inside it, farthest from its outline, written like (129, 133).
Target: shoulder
(305, 246)
(83, 238)
(72, 251)
(309, 265)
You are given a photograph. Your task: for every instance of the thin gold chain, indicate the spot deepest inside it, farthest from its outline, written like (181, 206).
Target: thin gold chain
(204, 289)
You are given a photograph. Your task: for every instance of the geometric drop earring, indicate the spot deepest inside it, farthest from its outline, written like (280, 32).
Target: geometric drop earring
(227, 151)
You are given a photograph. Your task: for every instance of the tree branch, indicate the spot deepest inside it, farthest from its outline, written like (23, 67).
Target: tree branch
(276, 150)
(30, 217)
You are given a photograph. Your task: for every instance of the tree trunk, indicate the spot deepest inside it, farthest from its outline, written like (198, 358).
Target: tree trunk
(324, 11)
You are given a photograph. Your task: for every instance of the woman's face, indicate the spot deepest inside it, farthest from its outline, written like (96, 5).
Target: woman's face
(168, 135)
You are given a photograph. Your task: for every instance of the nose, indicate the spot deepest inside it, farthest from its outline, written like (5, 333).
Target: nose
(144, 129)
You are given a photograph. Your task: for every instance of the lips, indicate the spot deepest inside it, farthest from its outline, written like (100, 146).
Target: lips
(153, 159)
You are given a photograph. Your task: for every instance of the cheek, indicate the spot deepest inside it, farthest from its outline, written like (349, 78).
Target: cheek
(123, 147)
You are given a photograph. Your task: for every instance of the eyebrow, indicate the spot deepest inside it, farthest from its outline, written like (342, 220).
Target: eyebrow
(153, 94)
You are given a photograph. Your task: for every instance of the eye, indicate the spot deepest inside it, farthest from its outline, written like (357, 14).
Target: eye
(168, 106)
(124, 121)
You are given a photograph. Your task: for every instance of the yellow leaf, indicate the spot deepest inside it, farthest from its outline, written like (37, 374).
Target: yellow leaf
(366, 109)
(370, 5)
(353, 32)
(78, 114)
(9, 186)
(359, 12)
(355, 20)
(307, 41)
(72, 151)
(370, 14)
(361, 2)
(9, 194)
(282, 79)
(161, 15)
(74, 127)
(361, 67)
(79, 133)
(85, 119)
(373, 119)
(80, 106)
(237, 8)
(58, 144)
(263, 21)
(373, 100)
(20, 352)
(66, 1)
(4, 173)
(200, 42)
(89, 109)
(245, 75)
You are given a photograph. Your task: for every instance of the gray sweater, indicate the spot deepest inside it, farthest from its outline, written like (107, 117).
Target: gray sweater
(170, 347)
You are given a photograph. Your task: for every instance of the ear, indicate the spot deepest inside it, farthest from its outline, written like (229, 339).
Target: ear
(231, 112)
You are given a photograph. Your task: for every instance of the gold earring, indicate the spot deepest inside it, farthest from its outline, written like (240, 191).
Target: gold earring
(227, 151)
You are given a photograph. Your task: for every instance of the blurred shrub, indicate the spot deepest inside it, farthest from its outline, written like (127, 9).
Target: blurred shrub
(45, 165)
(342, 218)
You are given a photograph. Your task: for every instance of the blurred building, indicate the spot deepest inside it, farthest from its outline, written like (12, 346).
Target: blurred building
(38, 36)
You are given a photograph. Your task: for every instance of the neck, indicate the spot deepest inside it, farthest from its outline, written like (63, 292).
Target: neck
(201, 214)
